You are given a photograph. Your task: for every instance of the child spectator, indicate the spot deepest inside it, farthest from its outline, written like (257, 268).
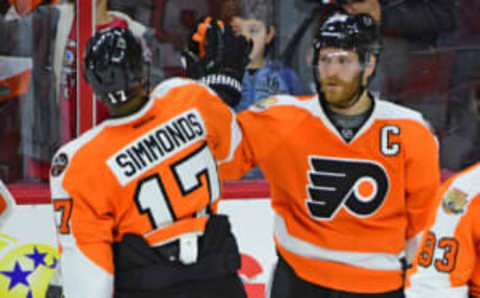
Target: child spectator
(264, 77)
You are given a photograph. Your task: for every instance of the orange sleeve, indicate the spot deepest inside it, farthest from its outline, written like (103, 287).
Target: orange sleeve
(84, 226)
(422, 175)
(262, 134)
(91, 212)
(87, 217)
(226, 138)
(219, 120)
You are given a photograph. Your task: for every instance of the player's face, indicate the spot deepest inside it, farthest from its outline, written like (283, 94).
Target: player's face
(340, 75)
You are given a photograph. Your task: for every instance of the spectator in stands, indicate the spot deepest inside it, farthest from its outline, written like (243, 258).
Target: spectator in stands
(15, 74)
(409, 29)
(140, 10)
(461, 137)
(48, 34)
(67, 74)
(460, 142)
(32, 35)
(415, 67)
(264, 77)
(446, 264)
(173, 22)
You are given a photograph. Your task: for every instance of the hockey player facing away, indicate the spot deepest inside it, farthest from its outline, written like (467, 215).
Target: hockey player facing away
(446, 263)
(351, 175)
(135, 197)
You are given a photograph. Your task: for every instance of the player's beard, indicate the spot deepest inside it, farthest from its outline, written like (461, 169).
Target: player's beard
(346, 92)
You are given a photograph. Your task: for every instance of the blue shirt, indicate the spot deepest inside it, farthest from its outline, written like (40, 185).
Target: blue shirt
(270, 79)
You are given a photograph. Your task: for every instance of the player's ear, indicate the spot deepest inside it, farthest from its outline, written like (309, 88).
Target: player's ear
(270, 33)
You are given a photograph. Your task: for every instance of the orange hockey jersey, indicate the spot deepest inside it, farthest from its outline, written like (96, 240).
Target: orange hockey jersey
(343, 211)
(152, 173)
(7, 203)
(447, 264)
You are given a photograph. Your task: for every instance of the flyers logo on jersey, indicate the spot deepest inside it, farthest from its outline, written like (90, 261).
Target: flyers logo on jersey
(454, 201)
(359, 186)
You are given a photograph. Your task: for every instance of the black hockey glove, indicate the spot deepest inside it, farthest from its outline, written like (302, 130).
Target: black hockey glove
(217, 57)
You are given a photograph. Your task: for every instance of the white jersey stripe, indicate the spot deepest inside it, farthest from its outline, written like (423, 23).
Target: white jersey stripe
(235, 139)
(375, 261)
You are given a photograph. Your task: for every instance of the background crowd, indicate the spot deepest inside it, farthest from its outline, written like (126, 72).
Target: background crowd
(430, 62)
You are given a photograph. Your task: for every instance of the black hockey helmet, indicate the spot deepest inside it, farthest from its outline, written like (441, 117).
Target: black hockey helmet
(114, 65)
(340, 29)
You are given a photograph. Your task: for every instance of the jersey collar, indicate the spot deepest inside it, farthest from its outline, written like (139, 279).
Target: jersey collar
(323, 115)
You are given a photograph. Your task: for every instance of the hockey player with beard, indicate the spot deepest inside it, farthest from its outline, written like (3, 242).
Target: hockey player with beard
(351, 175)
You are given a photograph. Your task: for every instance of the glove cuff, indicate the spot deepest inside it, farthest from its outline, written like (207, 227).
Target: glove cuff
(227, 87)
(222, 79)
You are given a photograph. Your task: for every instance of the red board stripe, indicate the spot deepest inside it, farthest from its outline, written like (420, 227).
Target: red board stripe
(33, 194)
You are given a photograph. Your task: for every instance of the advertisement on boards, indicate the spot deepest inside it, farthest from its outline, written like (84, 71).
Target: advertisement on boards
(252, 224)
(29, 256)
(28, 252)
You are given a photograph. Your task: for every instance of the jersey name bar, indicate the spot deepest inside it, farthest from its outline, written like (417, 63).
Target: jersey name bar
(157, 145)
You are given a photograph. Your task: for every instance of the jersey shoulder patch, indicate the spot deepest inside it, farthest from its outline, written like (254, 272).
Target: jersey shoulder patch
(64, 155)
(265, 103)
(454, 200)
(462, 191)
(59, 164)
